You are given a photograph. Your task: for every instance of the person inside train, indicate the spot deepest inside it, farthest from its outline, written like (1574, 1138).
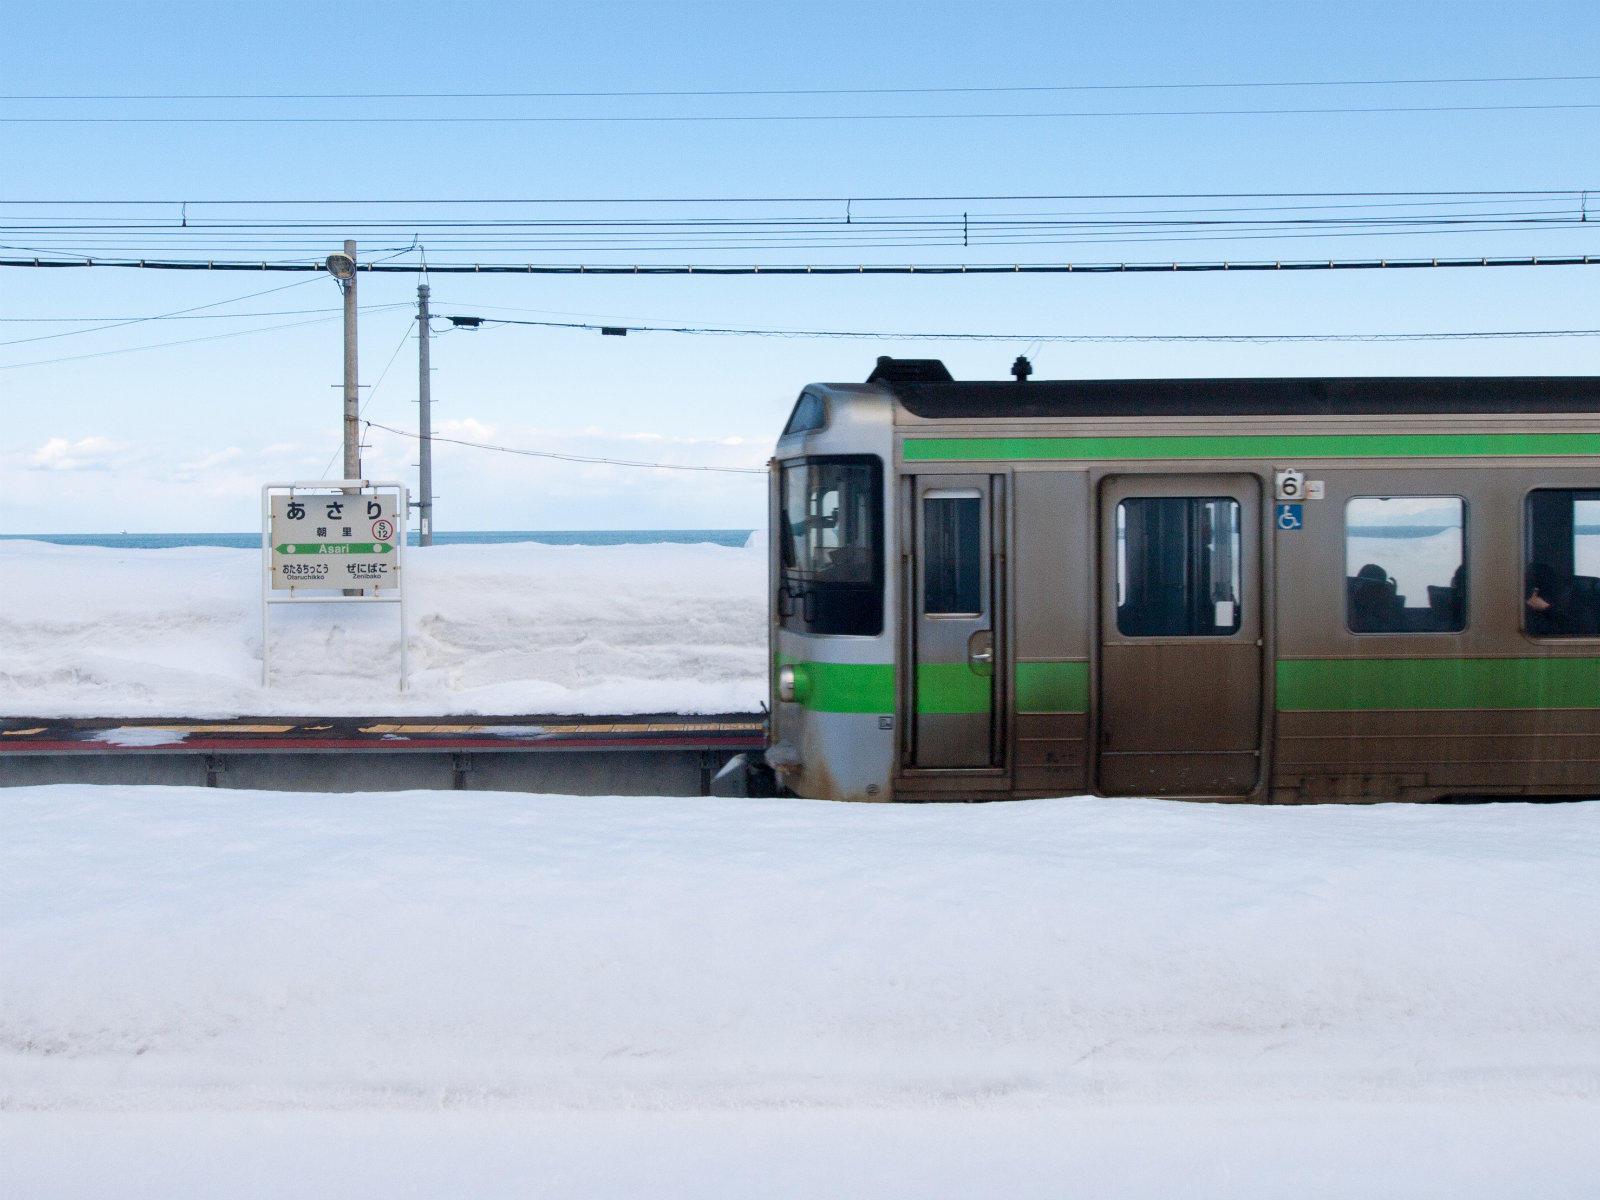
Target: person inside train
(1374, 606)
(1448, 605)
(1550, 606)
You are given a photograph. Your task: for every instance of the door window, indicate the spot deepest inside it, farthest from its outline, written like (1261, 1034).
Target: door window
(1178, 564)
(952, 545)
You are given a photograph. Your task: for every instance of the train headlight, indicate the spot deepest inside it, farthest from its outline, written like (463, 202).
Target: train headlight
(793, 684)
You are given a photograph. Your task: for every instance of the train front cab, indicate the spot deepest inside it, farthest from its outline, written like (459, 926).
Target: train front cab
(832, 633)
(1164, 626)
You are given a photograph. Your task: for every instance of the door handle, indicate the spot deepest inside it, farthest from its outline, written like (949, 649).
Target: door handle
(980, 652)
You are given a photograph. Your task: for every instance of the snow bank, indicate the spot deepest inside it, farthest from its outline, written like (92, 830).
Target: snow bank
(1478, 1150)
(171, 949)
(519, 628)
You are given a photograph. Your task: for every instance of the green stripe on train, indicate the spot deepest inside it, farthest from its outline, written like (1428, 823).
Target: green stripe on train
(844, 687)
(1042, 687)
(1280, 446)
(1334, 684)
(952, 688)
(1053, 687)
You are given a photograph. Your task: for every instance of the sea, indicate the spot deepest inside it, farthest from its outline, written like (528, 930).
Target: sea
(479, 537)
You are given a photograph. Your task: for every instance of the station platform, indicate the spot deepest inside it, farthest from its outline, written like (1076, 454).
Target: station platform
(648, 754)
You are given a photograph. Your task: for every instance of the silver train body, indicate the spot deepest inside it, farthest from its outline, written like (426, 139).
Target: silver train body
(1277, 590)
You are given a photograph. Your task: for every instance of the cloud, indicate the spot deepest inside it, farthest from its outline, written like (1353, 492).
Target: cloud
(467, 427)
(86, 454)
(213, 460)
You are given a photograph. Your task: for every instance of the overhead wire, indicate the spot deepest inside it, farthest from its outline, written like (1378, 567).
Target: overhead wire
(123, 323)
(794, 224)
(880, 335)
(131, 229)
(282, 312)
(831, 199)
(748, 118)
(232, 333)
(579, 458)
(80, 262)
(900, 91)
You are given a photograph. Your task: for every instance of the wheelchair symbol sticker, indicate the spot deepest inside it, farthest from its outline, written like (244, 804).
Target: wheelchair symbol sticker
(1290, 516)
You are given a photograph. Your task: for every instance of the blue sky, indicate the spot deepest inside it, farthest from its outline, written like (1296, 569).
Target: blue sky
(182, 437)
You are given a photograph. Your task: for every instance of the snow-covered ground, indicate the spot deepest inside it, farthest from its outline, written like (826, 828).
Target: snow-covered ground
(270, 994)
(518, 628)
(216, 992)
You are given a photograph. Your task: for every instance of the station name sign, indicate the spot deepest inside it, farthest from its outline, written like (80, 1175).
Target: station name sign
(335, 540)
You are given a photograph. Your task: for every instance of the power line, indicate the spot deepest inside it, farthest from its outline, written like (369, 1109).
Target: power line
(1569, 212)
(281, 312)
(631, 247)
(159, 317)
(829, 269)
(1447, 336)
(42, 362)
(746, 118)
(840, 199)
(580, 458)
(121, 322)
(913, 91)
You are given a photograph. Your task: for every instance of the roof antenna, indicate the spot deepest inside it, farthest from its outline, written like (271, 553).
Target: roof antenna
(1022, 368)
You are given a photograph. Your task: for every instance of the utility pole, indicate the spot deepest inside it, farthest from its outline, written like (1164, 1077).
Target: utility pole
(424, 423)
(343, 268)
(352, 396)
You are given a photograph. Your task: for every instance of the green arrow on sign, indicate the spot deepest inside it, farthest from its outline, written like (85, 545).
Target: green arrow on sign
(316, 548)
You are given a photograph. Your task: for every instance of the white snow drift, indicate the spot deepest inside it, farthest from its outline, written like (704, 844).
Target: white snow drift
(518, 628)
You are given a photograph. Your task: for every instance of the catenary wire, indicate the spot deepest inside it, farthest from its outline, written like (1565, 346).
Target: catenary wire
(840, 199)
(749, 118)
(903, 91)
(712, 330)
(158, 317)
(80, 262)
(42, 362)
(579, 458)
(282, 312)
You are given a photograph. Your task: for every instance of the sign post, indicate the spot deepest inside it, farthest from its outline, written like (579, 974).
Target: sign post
(332, 541)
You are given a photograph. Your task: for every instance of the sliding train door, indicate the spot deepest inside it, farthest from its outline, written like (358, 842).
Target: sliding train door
(955, 645)
(1179, 689)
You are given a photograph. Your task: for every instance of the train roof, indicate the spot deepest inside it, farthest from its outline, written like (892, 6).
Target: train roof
(926, 389)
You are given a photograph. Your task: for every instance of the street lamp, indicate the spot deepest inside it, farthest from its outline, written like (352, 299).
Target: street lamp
(343, 268)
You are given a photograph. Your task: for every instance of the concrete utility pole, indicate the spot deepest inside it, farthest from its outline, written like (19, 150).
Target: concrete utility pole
(352, 393)
(424, 424)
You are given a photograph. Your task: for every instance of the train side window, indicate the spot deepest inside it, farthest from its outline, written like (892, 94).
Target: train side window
(830, 546)
(1178, 566)
(952, 570)
(1405, 564)
(1561, 590)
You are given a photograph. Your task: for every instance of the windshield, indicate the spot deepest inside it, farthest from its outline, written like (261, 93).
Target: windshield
(830, 546)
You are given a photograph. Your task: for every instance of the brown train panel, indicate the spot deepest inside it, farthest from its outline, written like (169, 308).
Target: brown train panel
(1052, 740)
(1529, 749)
